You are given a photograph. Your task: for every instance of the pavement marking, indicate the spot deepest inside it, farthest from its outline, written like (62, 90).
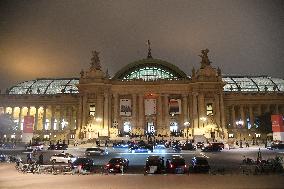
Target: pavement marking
(158, 153)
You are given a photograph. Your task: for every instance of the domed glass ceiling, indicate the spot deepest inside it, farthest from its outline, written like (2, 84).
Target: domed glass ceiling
(68, 85)
(253, 84)
(46, 86)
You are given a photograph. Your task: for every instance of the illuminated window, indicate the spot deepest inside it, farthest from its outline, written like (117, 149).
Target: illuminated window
(209, 109)
(92, 111)
(150, 74)
(231, 135)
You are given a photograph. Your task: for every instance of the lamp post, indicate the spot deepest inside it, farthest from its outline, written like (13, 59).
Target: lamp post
(186, 124)
(240, 124)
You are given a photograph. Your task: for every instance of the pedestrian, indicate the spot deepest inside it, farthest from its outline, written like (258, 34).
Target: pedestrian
(40, 159)
(29, 157)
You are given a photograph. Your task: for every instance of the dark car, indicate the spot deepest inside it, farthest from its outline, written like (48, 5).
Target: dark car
(188, 146)
(3, 157)
(199, 165)
(120, 145)
(58, 147)
(95, 151)
(139, 149)
(220, 144)
(117, 165)
(154, 165)
(211, 148)
(176, 165)
(87, 164)
(200, 144)
(8, 146)
(276, 146)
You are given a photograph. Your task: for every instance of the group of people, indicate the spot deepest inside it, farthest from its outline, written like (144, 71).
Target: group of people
(31, 157)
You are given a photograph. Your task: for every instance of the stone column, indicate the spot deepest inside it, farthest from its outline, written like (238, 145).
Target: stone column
(251, 116)
(201, 106)
(79, 117)
(233, 116)
(242, 115)
(134, 110)
(185, 110)
(159, 113)
(12, 113)
(105, 125)
(217, 109)
(36, 119)
(84, 110)
(259, 110)
(194, 111)
(141, 111)
(276, 109)
(29, 111)
(52, 118)
(44, 118)
(115, 107)
(20, 119)
(61, 114)
(222, 111)
(166, 112)
(267, 108)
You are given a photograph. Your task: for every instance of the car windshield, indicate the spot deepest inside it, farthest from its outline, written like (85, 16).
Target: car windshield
(178, 161)
(202, 161)
(115, 160)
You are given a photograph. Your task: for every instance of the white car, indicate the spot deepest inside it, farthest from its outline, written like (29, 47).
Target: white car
(95, 151)
(63, 157)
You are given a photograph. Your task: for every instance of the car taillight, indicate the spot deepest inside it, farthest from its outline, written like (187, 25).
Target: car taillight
(107, 165)
(171, 165)
(184, 166)
(117, 165)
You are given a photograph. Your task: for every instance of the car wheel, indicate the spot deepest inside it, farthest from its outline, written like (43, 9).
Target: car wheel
(53, 161)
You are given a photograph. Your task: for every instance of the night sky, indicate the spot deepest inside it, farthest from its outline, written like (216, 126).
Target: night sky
(44, 39)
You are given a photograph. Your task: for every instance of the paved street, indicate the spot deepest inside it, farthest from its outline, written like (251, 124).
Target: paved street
(11, 179)
(224, 162)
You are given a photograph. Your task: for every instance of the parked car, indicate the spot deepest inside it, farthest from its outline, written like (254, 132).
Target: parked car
(154, 165)
(211, 148)
(58, 147)
(274, 146)
(176, 165)
(220, 144)
(63, 157)
(116, 165)
(36, 147)
(139, 149)
(199, 165)
(95, 151)
(3, 157)
(188, 146)
(8, 146)
(200, 144)
(87, 164)
(120, 145)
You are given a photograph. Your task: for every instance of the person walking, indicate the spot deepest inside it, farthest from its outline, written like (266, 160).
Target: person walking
(29, 158)
(40, 159)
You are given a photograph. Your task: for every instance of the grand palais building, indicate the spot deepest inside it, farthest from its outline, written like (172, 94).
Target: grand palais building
(146, 97)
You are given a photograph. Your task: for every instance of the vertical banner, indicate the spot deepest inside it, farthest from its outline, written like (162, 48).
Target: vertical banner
(125, 107)
(175, 106)
(28, 124)
(277, 123)
(150, 106)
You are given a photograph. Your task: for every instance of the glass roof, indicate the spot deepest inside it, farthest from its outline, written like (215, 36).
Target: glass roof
(68, 85)
(252, 84)
(46, 86)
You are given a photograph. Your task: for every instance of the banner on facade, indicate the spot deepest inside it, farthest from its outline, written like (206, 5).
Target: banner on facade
(28, 124)
(125, 107)
(175, 106)
(277, 123)
(150, 106)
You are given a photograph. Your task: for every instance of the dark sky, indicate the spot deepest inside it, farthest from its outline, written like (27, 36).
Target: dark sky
(55, 38)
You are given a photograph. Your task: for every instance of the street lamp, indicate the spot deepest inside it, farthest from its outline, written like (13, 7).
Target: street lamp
(186, 124)
(240, 124)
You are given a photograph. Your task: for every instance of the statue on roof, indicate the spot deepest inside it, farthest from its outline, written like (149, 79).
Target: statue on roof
(149, 49)
(204, 58)
(95, 61)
